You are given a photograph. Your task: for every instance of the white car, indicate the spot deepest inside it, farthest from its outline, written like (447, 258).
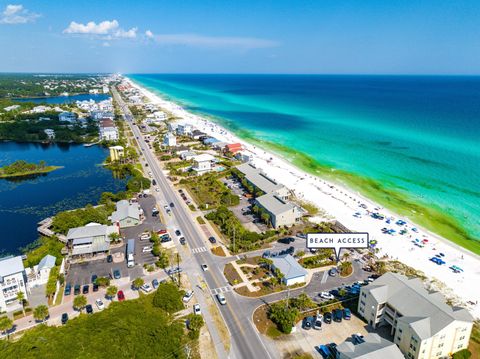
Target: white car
(100, 304)
(189, 295)
(157, 189)
(196, 309)
(146, 288)
(204, 267)
(221, 299)
(326, 295)
(145, 236)
(147, 249)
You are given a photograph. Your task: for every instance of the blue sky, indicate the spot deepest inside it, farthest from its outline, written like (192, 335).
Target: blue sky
(267, 36)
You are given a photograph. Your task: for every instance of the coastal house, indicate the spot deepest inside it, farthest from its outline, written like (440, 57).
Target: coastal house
(260, 180)
(371, 346)
(421, 323)
(244, 156)
(11, 108)
(188, 155)
(169, 140)
(280, 211)
(90, 239)
(233, 148)
(50, 133)
(292, 271)
(210, 141)
(13, 280)
(197, 134)
(184, 129)
(108, 131)
(203, 163)
(116, 153)
(67, 117)
(39, 274)
(126, 214)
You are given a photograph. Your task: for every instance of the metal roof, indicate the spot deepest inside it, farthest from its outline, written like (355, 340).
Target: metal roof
(288, 266)
(11, 265)
(373, 347)
(125, 210)
(47, 262)
(258, 178)
(274, 205)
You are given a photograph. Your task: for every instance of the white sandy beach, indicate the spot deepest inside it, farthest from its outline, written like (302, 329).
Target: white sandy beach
(341, 203)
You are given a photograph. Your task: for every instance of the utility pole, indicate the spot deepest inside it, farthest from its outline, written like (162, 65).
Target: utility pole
(178, 266)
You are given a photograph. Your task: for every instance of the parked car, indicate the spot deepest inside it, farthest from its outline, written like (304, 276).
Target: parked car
(307, 323)
(146, 288)
(327, 317)
(326, 295)
(120, 295)
(64, 318)
(89, 309)
(317, 322)
(116, 274)
(204, 267)
(94, 278)
(337, 315)
(178, 233)
(183, 241)
(221, 299)
(347, 314)
(290, 250)
(68, 289)
(197, 310)
(333, 272)
(286, 240)
(109, 258)
(100, 304)
(86, 289)
(76, 290)
(188, 295)
(147, 249)
(95, 288)
(155, 284)
(172, 205)
(212, 240)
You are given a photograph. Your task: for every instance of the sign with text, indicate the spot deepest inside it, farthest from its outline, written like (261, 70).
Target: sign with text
(337, 241)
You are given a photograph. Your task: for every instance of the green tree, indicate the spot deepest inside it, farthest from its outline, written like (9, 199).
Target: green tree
(114, 237)
(303, 302)
(102, 281)
(138, 282)
(111, 292)
(168, 298)
(41, 312)
(195, 323)
(5, 324)
(79, 302)
(283, 317)
(21, 300)
(462, 354)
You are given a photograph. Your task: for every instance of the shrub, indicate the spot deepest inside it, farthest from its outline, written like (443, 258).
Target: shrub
(168, 298)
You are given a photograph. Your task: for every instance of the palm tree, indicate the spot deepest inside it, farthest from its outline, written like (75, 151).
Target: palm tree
(79, 302)
(345, 256)
(138, 282)
(41, 312)
(5, 324)
(111, 292)
(21, 300)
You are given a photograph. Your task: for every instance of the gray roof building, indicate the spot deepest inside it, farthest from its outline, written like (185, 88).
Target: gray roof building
(373, 347)
(274, 205)
(289, 268)
(90, 239)
(10, 265)
(47, 262)
(259, 179)
(125, 210)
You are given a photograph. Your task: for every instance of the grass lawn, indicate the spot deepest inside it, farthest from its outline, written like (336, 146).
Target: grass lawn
(264, 325)
(208, 191)
(231, 274)
(218, 251)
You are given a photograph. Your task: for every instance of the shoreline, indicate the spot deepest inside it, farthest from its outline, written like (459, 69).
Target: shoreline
(341, 203)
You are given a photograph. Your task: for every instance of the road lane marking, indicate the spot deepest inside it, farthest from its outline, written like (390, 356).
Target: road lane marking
(325, 277)
(199, 250)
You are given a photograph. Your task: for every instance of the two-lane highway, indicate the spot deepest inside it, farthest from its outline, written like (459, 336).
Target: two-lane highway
(246, 342)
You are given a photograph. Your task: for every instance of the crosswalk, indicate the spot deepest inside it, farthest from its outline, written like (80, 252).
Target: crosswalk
(221, 290)
(199, 250)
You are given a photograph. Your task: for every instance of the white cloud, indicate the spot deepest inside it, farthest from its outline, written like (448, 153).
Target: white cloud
(211, 41)
(106, 30)
(17, 14)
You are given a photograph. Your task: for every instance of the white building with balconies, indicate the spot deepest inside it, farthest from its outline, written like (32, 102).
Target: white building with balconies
(12, 281)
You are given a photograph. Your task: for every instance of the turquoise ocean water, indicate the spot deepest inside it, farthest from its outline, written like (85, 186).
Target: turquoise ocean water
(415, 138)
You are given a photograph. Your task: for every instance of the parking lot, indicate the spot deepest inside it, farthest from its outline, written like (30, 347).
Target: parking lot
(81, 273)
(308, 340)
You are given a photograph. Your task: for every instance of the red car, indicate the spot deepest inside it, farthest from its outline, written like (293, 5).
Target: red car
(120, 295)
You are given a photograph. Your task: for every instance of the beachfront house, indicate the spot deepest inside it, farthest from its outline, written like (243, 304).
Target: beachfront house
(421, 323)
(203, 163)
(126, 214)
(108, 131)
(50, 133)
(244, 156)
(67, 117)
(39, 274)
(293, 273)
(197, 134)
(260, 180)
(233, 148)
(91, 239)
(184, 129)
(371, 346)
(280, 212)
(116, 153)
(169, 140)
(13, 280)
(188, 155)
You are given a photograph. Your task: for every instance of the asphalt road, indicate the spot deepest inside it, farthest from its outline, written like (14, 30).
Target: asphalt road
(237, 314)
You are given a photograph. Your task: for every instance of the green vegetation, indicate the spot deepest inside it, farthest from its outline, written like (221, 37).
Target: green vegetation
(102, 281)
(40, 248)
(79, 302)
(345, 269)
(254, 191)
(63, 221)
(194, 323)
(130, 329)
(462, 354)
(208, 192)
(200, 220)
(22, 168)
(111, 292)
(233, 229)
(168, 298)
(283, 316)
(52, 282)
(5, 324)
(324, 257)
(138, 282)
(41, 313)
